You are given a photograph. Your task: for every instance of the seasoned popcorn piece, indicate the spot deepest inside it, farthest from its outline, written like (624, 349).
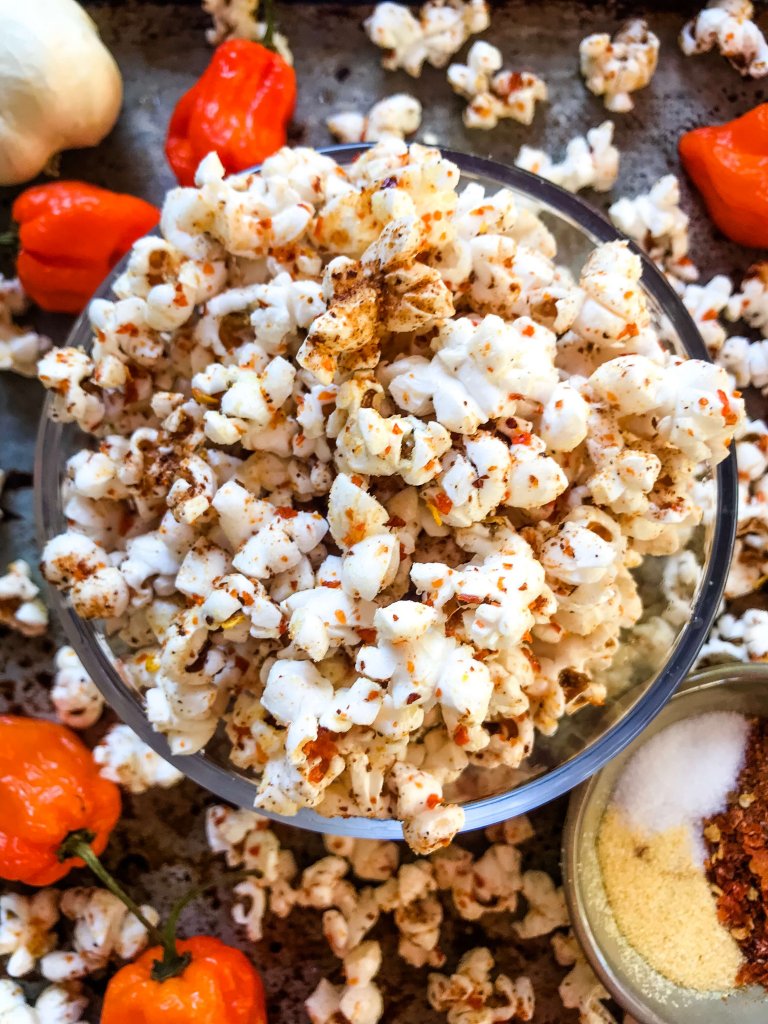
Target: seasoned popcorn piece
(494, 94)
(490, 884)
(397, 116)
(738, 638)
(125, 759)
(238, 19)
(360, 999)
(428, 822)
(746, 361)
(513, 831)
(705, 303)
(657, 223)
(440, 30)
(546, 906)
(62, 371)
(418, 913)
(26, 929)
(728, 25)
(56, 1004)
(388, 290)
(470, 995)
(590, 161)
(77, 700)
(749, 565)
(20, 349)
(614, 309)
(751, 303)
(614, 68)
(103, 929)
(20, 607)
(580, 989)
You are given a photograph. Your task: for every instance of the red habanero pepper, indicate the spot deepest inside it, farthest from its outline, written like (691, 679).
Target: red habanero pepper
(240, 108)
(49, 787)
(728, 164)
(71, 235)
(218, 985)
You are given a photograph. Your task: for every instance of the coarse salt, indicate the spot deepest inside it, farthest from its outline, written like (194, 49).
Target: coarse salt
(684, 774)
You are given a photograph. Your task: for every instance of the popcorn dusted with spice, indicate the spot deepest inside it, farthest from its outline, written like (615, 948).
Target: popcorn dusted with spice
(590, 161)
(749, 565)
(376, 541)
(614, 68)
(26, 929)
(359, 1000)
(494, 94)
(103, 928)
(438, 31)
(580, 989)
(728, 25)
(657, 223)
(74, 694)
(471, 994)
(397, 115)
(125, 759)
(751, 303)
(238, 19)
(20, 349)
(738, 638)
(20, 607)
(56, 1004)
(746, 361)
(705, 303)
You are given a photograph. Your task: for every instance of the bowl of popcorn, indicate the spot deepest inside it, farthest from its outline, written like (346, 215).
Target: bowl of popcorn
(386, 489)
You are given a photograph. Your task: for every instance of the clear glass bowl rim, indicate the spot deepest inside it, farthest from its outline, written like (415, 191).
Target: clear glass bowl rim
(227, 785)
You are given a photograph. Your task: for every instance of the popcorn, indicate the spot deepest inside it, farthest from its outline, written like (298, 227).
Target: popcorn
(56, 1004)
(494, 94)
(439, 31)
(657, 223)
(360, 1000)
(580, 989)
(20, 349)
(374, 541)
(746, 361)
(728, 25)
(589, 162)
(237, 19)
(704, 303)
(738, 638)
(546, 906)
(470, 995)
(26, 929)
(397, 115)
(20, 607)
(614, 68)
(77, 700)
(123, 758)
(103, 928)
(751, 303)
(490, 884)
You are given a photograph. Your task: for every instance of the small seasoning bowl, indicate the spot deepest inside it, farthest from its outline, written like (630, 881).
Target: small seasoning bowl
(649, 997)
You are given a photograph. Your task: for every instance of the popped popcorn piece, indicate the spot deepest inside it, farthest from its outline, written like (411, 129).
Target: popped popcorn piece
(397, 115)
(440, 30)
(125, 759)
(418, 913)
(471, 996)
(580, 989)
(62, 371)
(728, 25)
(75, 696)
(428, 822)
(490, 884)
(359, 1000)
(20, 349)
(738, 638)
(590, 161)
(494, 94)
(238, 19)
(20, 607)
(751, 303)
(614, 68)
(103, 929)
(56, 1004)
(26, 929)
(546, 906)
(746, 361)
(657, 223)
(680, 580)
(705, 303)
(77, 565)
(749, 565)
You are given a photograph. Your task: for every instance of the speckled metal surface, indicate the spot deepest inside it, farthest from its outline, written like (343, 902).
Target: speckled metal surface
(159, 846)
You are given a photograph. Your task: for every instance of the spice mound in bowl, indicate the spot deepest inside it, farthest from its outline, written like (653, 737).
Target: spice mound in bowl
(666, 858)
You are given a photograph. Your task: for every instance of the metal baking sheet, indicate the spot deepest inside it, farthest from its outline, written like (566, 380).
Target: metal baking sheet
(159, 846)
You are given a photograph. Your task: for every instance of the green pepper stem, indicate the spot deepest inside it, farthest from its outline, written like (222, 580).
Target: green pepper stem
(10, 239)
(268, 38)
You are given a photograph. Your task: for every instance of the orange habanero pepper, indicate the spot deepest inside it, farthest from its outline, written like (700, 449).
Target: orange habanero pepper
(728, 164)
(218, 985)
(71, 235)
(50, 787)
(240, 107)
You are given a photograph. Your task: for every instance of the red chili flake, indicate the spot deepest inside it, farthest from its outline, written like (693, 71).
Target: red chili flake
(521, 437)
(331, 584)
(461, 736)
(432, 801)
(442, 503)
(368, 636)
(395, 523)
(285, 512)
(411, 698)
(529, 330)
(630, 331)
(729, 415)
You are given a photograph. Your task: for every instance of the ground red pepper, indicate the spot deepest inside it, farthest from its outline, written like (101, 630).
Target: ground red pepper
(737, 841)
(240, 108)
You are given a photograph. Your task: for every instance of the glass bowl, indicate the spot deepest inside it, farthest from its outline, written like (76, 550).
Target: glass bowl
(649, 997)
(583, 743)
